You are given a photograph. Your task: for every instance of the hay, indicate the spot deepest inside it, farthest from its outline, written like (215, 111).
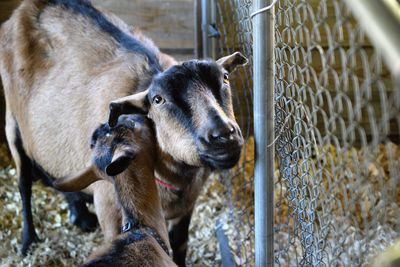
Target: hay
(5, 157)
(233, 204)
(62, 244)
(212, 206)
(228, 198)
(360, 200)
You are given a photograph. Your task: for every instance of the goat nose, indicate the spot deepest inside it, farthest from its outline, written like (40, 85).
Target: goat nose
(222, 134)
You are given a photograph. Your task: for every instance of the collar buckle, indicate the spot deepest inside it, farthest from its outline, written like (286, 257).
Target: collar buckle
(127, 227)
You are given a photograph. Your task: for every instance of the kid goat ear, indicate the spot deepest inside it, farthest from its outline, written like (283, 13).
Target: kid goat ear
(119, 162)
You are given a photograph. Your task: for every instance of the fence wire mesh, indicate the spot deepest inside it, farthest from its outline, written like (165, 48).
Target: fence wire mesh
(229, 198)
(337, 124)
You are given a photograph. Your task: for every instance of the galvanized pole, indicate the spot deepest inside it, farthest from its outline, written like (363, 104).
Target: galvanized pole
(205, 21)
(209, 32)
(198, 33)
(263, 69)
(213, 19)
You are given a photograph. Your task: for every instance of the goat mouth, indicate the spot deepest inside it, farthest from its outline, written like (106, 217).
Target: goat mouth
(221, 160)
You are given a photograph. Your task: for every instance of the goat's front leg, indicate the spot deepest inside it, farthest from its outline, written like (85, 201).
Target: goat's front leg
(178, 231)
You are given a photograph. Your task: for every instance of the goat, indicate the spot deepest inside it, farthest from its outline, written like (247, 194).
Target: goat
(125, 155)
(65, 66)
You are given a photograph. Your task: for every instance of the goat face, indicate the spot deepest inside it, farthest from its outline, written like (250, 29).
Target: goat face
(191, 107)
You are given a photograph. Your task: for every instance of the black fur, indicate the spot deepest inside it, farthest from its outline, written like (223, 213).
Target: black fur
(79, 214)
(181, 83)
(25, 188)
(178, 238)
(85, 8)
(103, 160)
(211, 74)
(102, 130)
(103, 156)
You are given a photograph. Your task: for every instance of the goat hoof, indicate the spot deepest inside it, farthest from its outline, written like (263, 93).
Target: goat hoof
(86, 222)
(27, 242)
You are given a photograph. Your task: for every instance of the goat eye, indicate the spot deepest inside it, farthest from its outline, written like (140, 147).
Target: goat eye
(226, 78)
(158, 100)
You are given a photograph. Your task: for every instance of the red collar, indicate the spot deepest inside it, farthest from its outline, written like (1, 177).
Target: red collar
(166, 185)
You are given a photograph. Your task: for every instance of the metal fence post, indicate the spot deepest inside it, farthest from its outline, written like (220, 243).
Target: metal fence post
(205, 21)
(263, 60)
(208, 28)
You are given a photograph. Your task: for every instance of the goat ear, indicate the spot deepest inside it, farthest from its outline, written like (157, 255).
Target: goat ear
(77, 182)
(232, 61)
(137, 103)
(119, 162)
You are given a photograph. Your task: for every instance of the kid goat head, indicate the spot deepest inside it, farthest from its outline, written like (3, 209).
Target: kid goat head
(191, 106)
(125, 156)
(113, 150)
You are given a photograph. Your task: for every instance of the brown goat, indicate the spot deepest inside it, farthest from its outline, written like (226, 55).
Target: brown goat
(63, 61)
(125, 156)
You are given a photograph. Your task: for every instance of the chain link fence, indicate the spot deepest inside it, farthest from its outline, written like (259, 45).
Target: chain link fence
(337, 122)
(229, 197)
(337, 127)
(234, 23)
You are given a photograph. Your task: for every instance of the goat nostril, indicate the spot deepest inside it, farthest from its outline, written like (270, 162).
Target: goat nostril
(221, 134)
(215, 135)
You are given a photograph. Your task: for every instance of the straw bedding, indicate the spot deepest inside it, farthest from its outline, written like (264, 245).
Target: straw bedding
(226, 199)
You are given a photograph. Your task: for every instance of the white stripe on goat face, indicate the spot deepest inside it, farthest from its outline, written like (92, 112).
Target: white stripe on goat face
(177, 140)
(188, 104)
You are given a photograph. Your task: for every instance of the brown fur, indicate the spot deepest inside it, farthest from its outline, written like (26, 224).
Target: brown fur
(33, 54)
(107, 209)
(76, 61)
(151, 255)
